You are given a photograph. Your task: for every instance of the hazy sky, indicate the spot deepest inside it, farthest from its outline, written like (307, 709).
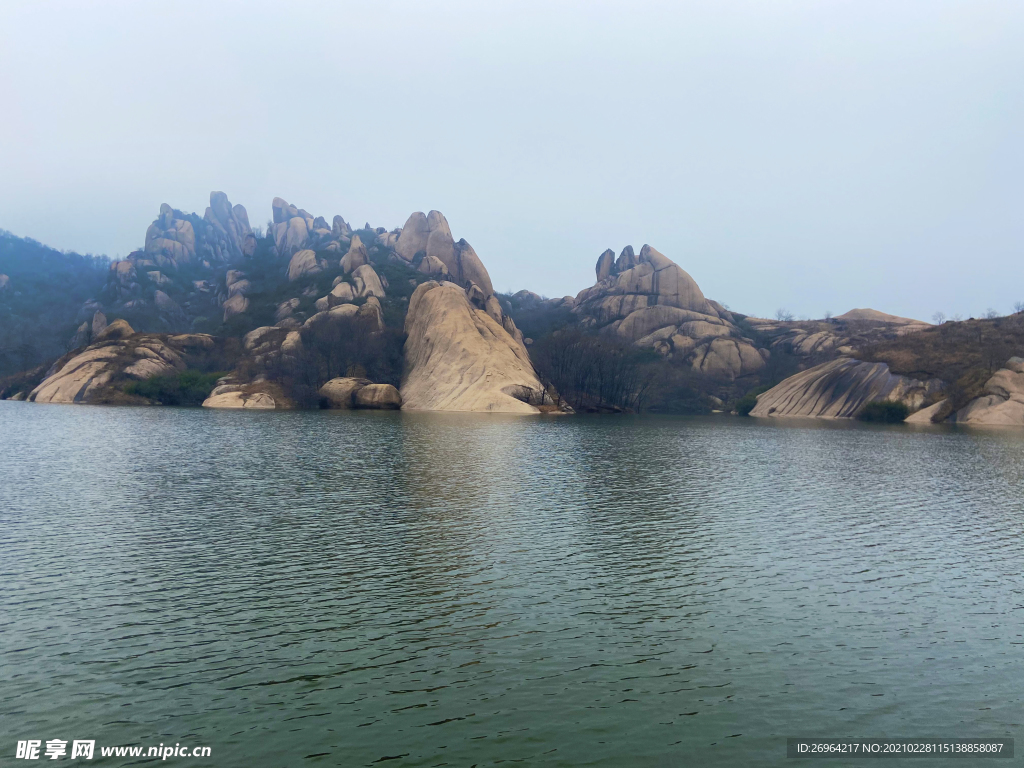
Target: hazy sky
(809, 155)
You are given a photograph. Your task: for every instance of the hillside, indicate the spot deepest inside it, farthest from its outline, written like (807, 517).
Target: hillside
(42, 292)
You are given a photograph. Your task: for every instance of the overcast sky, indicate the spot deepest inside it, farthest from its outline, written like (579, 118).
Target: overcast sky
(809, 155)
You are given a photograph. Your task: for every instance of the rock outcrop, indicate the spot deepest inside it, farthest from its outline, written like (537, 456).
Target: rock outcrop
(236, 396)
(874, 316)
(291, 228)
(117, 356)
(349, 393)
(426, 243)
(1003, 401)
(840, 389)
(228, 236)
(647, 299)
(303, 263)
(430, 238)
(459, 358)
(356, 256)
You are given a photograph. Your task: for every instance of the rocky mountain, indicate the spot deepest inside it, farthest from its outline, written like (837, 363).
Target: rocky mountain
(649, 301)
(326, 314)
(964, 372)
(338, 306)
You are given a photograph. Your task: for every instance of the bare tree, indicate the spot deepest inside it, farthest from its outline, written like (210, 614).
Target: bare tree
(939, 318)
(1018, 307)
(991, 314)
(783, 315)
(828, 315)
(957, 318)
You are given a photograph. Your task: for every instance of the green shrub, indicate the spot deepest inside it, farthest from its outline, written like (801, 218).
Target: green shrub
(746, 403)
(185, 388)
(884, 412)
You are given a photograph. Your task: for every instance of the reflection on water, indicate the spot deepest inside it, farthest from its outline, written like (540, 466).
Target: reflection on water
(462, 589)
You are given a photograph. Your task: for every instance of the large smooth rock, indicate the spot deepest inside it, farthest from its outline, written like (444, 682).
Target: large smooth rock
(303, 263)
(378, 396)
(367, 283)
(115, 358)
(727, 358)
(356, 256)
(340, 392)
(235, 305)
(239, 399)
(119, 329)
(1003, 401)
(839, 389)
(414, 236)
(457, 358)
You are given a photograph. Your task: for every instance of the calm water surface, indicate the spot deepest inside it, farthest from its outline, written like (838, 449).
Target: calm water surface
(339, 588)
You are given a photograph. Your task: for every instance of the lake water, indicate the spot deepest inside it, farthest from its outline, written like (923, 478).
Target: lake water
(339, 588)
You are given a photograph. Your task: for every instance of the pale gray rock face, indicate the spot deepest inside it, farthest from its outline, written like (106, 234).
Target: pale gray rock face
(286, 309)
(340, 392)
(170, 240)
(291, 228)
(235, 305)
(356, 256)
(727, 358)
(378, 397)
(5, 282)
(650, 301)
(414, 237)
(342, 293)
(240, 399)
(1003, 401)
(874, 315)
(229, 235)
(605, 265)
(99, 324)
(117, 354)
(431, 265)
(303, 263)
(367, 283)
(839, 389)
(340, 228)
(459, 359)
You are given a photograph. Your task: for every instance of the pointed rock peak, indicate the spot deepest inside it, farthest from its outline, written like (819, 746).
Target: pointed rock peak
(627, 259)
(165, 209)
(221, 205)
(356, 243)
(656, 259)
(414, 236)
(416, 219)
(605, 264)
(437, 221)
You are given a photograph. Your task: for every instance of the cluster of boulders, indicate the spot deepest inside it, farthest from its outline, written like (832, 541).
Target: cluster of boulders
(647, 299)
(295, 229)
(351, 393)
(839, 335)
(1001, 403)
(116, 356)
(146, 278)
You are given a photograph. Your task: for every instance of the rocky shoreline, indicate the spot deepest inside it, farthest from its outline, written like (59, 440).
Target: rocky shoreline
(311, 314)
